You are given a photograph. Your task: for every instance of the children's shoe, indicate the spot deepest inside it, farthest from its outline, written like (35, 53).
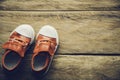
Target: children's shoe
(16, 46)
(46, 45)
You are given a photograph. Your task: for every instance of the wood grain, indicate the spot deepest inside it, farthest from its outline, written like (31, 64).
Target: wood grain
(57, 5)
(66, 67)
(91, 32)
(85, 68)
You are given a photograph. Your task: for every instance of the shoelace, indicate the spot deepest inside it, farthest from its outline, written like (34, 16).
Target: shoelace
(42, 41)
(51, 43)
(18, 41)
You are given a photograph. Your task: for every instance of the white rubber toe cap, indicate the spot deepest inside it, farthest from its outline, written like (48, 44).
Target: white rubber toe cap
(49, 31)
(26, 30)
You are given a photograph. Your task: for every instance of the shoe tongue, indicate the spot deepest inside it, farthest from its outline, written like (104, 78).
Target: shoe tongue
(43, 47)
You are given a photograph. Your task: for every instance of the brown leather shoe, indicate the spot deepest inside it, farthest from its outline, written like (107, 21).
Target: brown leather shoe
(46, 45)
(16, 46)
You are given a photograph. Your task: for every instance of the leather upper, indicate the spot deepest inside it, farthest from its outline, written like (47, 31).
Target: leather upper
(45, 44)
(17, 43)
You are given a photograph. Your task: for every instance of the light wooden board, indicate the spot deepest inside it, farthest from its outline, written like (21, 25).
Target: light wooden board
(91, 32)
(65, 67)
(60, 5)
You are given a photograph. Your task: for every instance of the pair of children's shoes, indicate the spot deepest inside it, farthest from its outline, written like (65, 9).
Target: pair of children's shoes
(21, 38)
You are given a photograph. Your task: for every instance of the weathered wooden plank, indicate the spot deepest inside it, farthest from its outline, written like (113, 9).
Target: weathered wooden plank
(92, 32)
(60, 5)
(85, 68)
(75, 68)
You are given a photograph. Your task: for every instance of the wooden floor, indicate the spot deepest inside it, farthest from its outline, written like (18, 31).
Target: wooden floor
(89, 32)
